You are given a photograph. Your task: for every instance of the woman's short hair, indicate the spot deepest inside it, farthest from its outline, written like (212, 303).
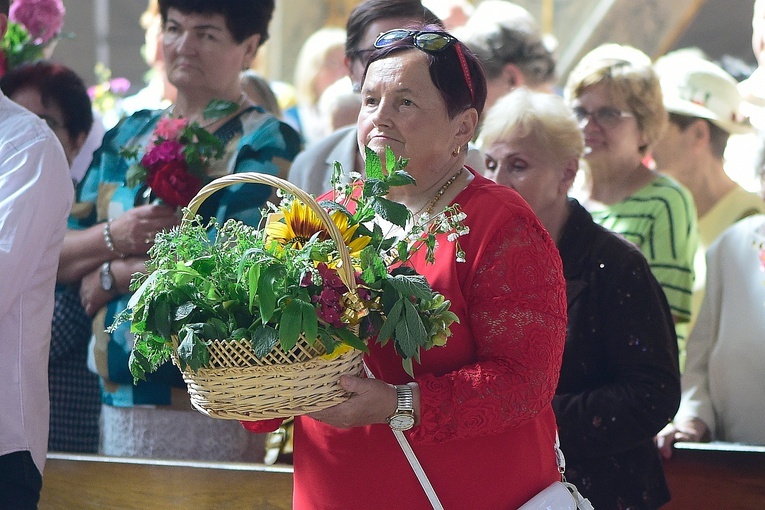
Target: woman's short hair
(502, 33)
(445, 68)
(244, 18)
(57, 84)
(544, 117)
(629, 75)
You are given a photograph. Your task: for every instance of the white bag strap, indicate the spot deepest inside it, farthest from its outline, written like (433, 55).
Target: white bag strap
(413, 461)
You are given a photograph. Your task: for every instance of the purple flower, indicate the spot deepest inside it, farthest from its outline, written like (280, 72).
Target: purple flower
(164, 152)
(43, 19)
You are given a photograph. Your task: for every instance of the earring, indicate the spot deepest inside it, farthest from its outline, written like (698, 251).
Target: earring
(456, 151)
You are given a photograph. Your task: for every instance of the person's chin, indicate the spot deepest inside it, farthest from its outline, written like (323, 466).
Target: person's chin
(379, 143)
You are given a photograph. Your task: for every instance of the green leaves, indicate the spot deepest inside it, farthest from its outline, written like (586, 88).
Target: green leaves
(233, 282)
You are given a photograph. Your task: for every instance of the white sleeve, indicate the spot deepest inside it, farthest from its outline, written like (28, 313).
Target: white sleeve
(696, 400)
(36, 196)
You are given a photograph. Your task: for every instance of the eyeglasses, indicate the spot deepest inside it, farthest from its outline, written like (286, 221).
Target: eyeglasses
(605, 116)
(429, 42)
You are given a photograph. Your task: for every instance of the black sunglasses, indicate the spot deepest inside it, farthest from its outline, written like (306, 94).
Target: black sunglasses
(429, 42)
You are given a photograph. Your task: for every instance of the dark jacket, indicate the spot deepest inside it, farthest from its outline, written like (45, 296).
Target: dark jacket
(620, 382)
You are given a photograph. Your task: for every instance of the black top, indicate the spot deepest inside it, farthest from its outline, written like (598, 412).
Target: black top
(619, 382)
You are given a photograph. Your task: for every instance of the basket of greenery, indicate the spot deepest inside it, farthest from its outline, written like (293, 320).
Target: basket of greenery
(263, 321)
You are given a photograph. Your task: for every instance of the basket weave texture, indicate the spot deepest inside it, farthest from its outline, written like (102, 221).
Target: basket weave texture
(238, 385)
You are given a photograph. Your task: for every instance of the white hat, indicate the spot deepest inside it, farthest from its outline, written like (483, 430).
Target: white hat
(696, 87)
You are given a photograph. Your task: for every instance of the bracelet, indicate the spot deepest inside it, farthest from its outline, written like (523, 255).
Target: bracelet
(108, 239)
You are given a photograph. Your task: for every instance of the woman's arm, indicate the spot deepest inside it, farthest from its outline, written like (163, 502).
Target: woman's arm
(94, 297)
(517, 317)
(131, 234)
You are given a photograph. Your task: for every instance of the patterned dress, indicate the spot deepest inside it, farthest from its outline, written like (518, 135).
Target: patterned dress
(255, 142)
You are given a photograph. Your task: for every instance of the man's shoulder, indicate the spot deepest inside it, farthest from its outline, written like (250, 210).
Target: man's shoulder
(312, 167)
(328, 143)
(19, 127)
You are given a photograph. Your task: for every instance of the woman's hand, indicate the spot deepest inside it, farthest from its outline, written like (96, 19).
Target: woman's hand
(691, 430)
(93, 297)
(372, 401)
(133, 232)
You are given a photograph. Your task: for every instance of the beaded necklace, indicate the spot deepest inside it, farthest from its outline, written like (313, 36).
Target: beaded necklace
(428, 208)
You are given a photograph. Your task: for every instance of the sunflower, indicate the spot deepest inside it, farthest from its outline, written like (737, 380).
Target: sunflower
(296, 225)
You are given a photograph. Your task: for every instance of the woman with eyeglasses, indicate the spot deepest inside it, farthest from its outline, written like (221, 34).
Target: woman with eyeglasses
(616, 97)
(619, 382)
(478, 411)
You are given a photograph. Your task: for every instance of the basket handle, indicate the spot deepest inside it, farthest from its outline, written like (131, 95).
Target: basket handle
(345, 269)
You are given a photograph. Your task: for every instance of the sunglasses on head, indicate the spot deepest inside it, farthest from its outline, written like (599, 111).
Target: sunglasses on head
(429, 42)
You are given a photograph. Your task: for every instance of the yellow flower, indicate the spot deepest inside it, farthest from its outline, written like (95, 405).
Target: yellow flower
(296, 225)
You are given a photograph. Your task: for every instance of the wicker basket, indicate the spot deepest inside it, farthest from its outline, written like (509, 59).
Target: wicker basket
(238, 385)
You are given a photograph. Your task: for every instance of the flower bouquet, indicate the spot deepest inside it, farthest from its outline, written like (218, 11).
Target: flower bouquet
(33, 26)
(174, 166)
(262, 322)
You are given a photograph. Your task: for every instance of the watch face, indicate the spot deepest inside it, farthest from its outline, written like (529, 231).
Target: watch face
(401, 422)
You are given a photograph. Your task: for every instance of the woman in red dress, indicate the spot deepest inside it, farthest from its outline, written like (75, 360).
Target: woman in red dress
(483, 427)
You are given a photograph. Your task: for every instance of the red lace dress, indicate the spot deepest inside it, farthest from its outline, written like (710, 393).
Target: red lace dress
(487, 428)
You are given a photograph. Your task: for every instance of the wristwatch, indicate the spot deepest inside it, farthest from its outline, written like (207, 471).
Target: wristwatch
(107, 277)
(403, 417)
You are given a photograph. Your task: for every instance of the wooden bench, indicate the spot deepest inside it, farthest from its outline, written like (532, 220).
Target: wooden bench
(97, 482)
(716, 475)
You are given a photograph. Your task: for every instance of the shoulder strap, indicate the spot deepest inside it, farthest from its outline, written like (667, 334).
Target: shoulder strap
(414, 461)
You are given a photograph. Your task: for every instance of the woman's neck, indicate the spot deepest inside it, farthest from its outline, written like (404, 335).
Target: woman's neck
(555, 218)
(418, 196)
(610, 184)
(193, 106)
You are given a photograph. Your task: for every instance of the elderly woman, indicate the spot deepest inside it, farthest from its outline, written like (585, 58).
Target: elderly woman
(481, 421)
(206, 45)
(616, 97)
(619, 382)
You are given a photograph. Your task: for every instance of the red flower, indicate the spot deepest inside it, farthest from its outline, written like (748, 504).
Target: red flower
(172, 183)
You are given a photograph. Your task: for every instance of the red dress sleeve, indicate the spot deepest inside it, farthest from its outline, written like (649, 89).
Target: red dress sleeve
(516, 312)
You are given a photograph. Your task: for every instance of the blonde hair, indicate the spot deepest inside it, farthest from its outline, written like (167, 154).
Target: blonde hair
(628, 74)
(150, 14)
(544, 117)
(311, 58)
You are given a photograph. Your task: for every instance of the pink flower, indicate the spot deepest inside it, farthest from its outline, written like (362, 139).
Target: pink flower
(43, 19)
(119, 85)
(169, 128)
(164, 152)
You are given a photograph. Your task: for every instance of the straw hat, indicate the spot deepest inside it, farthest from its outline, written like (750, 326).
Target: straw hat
(696, 87)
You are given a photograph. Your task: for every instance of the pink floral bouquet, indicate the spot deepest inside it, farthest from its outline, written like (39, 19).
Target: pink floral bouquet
(33, 26)
(175, 163)
(43, 19)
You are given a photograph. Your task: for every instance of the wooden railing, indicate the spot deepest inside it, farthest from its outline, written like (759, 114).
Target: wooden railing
(700, 476)
(716, 476)
(86, 482)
